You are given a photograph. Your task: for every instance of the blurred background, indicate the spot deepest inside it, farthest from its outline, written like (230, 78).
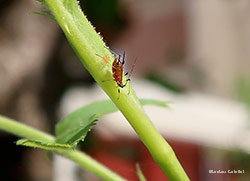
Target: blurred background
(193, 54)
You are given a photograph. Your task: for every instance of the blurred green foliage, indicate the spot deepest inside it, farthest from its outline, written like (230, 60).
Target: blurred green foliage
(243, 89)
(104, 13)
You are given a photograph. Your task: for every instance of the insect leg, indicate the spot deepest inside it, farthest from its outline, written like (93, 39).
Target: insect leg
(118, 93)
(129, 85)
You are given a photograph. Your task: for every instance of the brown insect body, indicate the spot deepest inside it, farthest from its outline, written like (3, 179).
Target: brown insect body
(117, 70)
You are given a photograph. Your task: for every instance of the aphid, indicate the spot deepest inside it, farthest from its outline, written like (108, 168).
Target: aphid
(117, 70)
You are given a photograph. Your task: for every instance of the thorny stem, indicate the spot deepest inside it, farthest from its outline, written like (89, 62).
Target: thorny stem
(87, 43)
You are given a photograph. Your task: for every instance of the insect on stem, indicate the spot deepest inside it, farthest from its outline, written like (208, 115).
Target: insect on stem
(117, 70)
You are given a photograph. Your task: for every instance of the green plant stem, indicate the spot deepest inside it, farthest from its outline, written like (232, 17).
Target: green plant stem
(81, 158)
(88, 44)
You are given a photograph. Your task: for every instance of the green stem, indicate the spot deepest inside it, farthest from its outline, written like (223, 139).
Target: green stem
(88, 44)
(82, 159)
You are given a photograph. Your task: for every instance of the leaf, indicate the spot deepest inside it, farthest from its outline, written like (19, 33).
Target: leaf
(44, 14)
(154, 102)
(74, 127)
(139, 173)
(76, 134)
(43, 145)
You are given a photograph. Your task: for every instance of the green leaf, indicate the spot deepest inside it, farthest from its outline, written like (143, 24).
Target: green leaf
(44, 14)
(77, 133)
(153, 102)
(139, 173)
(74, 127)
(43, 145)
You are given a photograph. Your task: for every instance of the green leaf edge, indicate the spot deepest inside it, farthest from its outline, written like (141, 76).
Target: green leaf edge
(140, 173)
(44, 14)
(43, 145)
(84, 131)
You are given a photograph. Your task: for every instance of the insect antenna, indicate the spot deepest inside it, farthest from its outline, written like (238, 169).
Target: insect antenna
(132, 69)
(129, 75)
(123, 58)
